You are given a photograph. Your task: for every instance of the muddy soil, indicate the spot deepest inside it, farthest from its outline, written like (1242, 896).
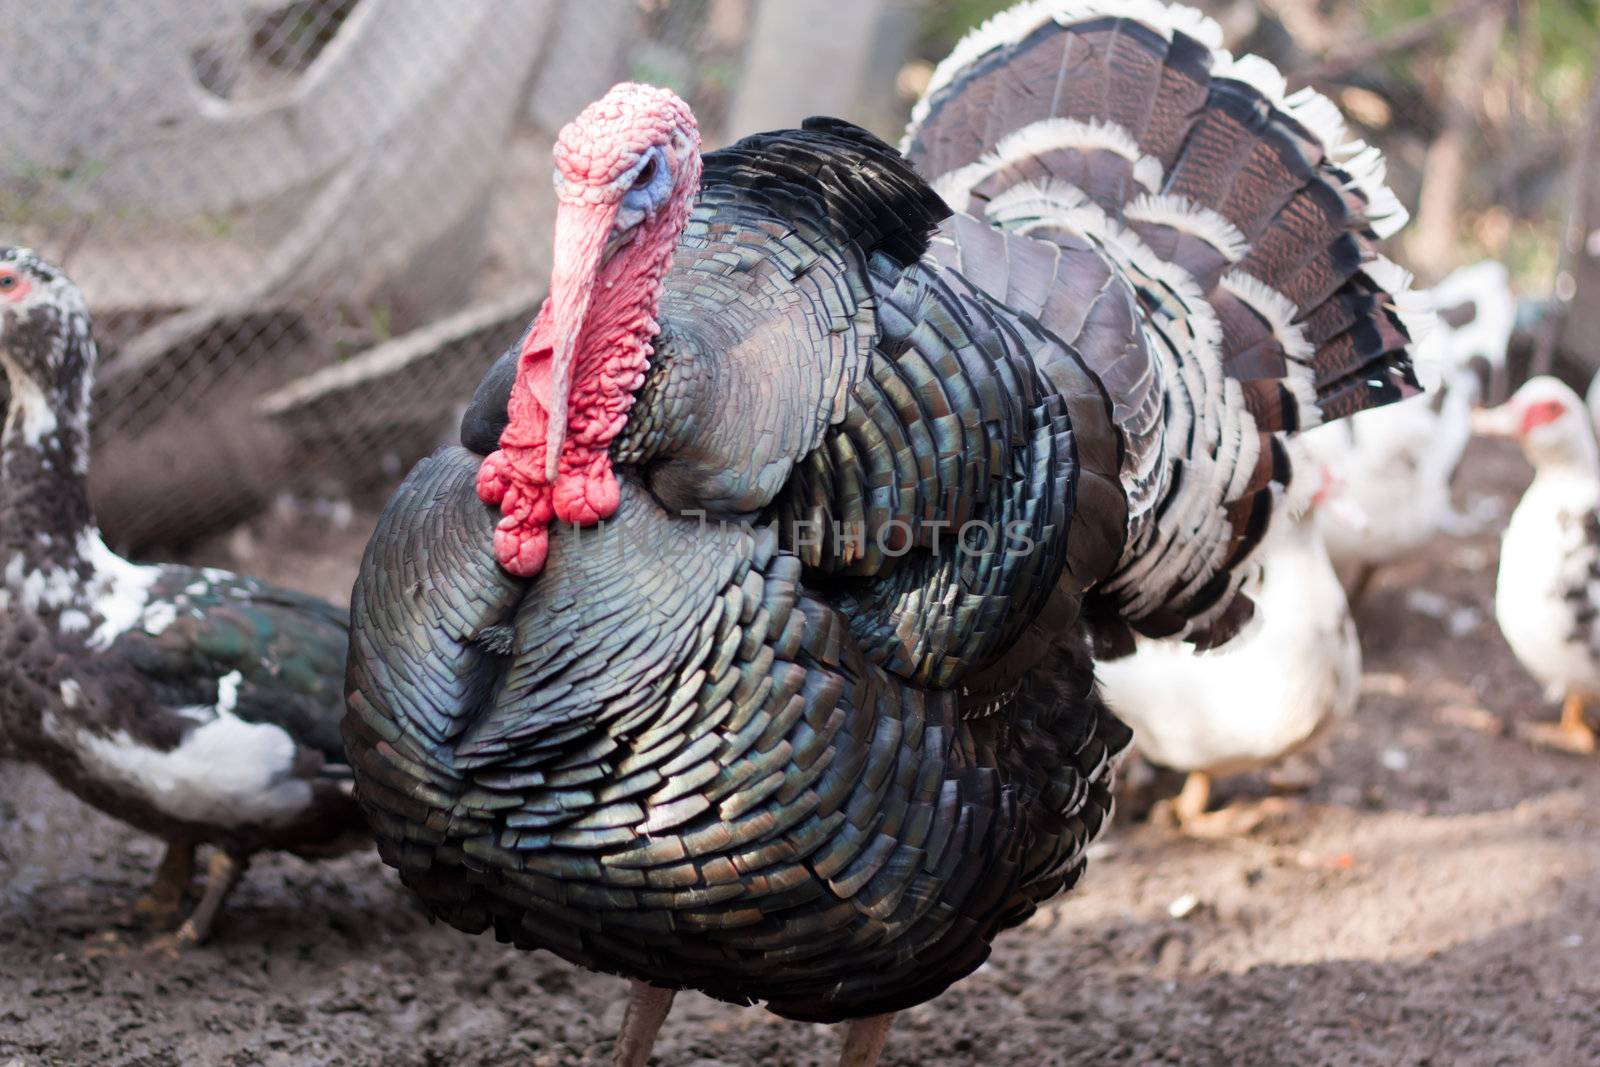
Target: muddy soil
(1433, 899)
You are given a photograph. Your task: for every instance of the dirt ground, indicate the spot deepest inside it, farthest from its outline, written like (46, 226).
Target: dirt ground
(1433, 899)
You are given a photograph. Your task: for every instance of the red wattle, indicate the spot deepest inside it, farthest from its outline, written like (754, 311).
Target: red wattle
(586, 492)
(522, 536)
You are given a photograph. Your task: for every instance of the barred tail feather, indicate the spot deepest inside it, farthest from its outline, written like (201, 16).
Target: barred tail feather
(1245, 223)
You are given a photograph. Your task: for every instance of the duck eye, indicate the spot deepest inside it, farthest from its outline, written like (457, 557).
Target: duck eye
(646, 173)
(8, 282)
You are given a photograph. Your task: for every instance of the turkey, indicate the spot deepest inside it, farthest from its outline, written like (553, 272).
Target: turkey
(1547, 595)
(1271, 692)
(745, 645)
(196, 705)
(1392, 469)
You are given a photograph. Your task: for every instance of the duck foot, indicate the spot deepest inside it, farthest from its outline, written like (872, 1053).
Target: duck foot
(1245, 818)
(1190, 805)
(1572, 734)
(864, 1040)
(1189, 813)
(222, 874)
(647, 1010)
(162, 906)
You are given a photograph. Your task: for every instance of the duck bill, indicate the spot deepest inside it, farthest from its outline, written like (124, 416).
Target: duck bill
(583, 240)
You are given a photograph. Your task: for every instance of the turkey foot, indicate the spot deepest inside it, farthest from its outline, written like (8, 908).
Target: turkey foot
(1572, 734)
(161, 907)
(864, 1040)
(647, 1010)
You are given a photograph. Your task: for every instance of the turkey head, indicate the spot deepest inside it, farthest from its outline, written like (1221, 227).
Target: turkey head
(626, 173)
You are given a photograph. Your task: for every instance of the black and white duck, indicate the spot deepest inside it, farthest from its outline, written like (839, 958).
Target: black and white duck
(1547, 595)
(196, 705)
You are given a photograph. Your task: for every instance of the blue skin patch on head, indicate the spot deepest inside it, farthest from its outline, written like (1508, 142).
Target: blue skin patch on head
(649, 187)
(656, 177)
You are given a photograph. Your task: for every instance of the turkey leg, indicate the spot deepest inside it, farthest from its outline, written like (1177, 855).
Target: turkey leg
(864, 1040)
(647, 1010)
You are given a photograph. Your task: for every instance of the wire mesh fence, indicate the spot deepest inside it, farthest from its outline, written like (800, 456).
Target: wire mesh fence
(302, 227)
(305, 226)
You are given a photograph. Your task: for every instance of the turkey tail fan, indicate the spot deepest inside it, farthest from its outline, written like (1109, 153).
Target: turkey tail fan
(1245, 225)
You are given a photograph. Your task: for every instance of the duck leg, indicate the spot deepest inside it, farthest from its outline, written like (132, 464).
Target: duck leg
(160, 907)
(647, 1010)
(222, 874)
(1574, 727)
(1572, 734)
(1192, 801)
(864, 1040)
(1360, 585)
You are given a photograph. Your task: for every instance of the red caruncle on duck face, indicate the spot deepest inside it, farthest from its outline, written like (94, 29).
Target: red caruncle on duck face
(626, 172)
(14, 286)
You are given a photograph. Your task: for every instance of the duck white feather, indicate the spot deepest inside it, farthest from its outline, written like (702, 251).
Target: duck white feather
(1266, 694)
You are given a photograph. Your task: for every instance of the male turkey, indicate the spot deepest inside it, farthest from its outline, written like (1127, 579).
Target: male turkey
(1547, 596)
(195, 705)
(811, 718)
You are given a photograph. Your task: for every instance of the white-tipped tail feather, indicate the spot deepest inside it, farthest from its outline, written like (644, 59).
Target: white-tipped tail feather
(1278, 310)
(1045, 136)
(1013, 24)
(1196, 220)
(1241, 218)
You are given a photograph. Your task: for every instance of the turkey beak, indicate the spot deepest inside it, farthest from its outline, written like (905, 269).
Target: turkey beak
(582, 241)
(1502, 421)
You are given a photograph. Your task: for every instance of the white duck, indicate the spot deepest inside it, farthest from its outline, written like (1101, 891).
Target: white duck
(1270, 692)
(1392, 468)
(1547, 597)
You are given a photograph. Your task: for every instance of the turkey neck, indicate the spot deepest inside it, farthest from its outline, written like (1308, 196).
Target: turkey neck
(44, 456)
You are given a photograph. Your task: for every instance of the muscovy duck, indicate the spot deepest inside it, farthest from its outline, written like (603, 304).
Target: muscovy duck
(196, 705)
(1392, 469)
(1270, 692)
(1547, 595)
(799, 709)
